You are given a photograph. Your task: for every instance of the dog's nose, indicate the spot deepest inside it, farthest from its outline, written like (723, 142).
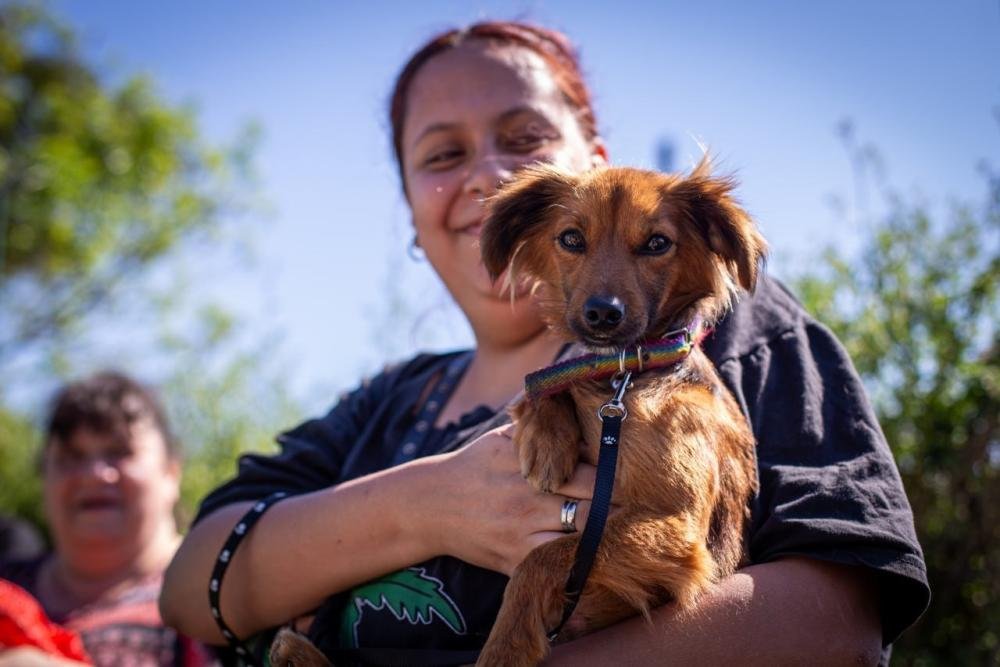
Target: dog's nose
(603, 312)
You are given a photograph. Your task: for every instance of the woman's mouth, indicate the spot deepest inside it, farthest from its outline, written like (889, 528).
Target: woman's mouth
(96, 504)
(474, 229)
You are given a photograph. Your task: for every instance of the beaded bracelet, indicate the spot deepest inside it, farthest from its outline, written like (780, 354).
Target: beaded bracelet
(240, 531)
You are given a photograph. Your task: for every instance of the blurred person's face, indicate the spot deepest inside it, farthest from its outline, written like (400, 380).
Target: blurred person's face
(105, 491)
(475, 114)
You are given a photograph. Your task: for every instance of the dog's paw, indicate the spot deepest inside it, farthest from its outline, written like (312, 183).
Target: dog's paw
(547, 469)
(547, 439)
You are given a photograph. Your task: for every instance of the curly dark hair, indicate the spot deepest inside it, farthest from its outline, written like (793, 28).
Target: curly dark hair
(108, 402)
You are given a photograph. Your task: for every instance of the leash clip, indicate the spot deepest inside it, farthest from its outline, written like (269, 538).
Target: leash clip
(615, 407)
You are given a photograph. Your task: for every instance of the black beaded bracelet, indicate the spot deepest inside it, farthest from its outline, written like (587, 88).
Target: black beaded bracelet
(240, 531)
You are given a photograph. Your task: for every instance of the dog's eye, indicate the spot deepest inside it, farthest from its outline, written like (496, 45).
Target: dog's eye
(657, 244)
(572, 240)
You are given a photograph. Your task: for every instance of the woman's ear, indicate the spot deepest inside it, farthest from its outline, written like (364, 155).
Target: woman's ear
(599, 153)
(175, 468)
(519, 210)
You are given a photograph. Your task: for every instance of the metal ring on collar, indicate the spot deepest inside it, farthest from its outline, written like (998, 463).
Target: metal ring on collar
(621, 360)
(567, 516)
(612, 410)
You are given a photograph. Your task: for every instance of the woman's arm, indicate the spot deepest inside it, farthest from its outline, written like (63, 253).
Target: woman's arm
(472, 504)
(787, 612)
(303, 550)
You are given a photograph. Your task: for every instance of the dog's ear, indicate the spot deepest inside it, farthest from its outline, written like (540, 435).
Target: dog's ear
(518, 210)
(725, 226)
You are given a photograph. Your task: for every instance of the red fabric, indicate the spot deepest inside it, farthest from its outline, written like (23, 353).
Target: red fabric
(24, 623)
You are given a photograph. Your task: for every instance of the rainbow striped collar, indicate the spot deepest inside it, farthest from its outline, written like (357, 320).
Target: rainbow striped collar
(673, 348)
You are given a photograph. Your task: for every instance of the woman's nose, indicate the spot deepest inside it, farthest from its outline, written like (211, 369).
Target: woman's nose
(487, 174)
(102, 470)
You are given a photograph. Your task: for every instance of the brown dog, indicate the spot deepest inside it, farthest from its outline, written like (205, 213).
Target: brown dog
(620, 256)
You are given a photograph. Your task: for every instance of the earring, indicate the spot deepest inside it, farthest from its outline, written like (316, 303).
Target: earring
(414, 250)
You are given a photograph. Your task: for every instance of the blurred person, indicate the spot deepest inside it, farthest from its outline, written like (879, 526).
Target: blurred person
(111, 470)
(405, 507)
(19, 540)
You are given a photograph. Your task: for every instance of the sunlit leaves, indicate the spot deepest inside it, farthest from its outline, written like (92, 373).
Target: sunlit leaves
(104, 189)
(917, 309)
(97, 181)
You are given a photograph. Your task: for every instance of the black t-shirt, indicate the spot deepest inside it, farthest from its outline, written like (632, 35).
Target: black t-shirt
(829, 488)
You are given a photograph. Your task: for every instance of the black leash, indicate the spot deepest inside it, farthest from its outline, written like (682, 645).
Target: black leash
(612, 414)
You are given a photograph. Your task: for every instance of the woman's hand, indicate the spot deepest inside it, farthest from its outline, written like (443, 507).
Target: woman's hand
(485, 513)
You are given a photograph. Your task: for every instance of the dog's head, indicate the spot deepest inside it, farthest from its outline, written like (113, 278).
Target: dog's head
(618, 254)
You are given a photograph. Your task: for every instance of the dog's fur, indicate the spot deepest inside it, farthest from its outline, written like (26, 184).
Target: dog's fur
(291, 649)
(687, 467)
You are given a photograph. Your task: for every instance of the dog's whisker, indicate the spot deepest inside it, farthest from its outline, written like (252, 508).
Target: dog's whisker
(510, 280)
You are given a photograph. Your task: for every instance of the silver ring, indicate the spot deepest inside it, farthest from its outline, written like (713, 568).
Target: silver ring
(567, 517)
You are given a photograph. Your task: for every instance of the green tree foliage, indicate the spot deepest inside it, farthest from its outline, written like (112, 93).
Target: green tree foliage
(918, 312)
(97, 182)
(223, 411)
(20, 487)
(101, 185)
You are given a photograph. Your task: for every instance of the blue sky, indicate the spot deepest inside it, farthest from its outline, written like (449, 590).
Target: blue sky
(763, 84)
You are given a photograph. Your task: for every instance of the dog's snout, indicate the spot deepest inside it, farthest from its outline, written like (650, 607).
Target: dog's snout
(603, 312)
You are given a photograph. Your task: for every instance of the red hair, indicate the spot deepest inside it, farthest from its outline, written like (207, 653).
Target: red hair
(552, 46)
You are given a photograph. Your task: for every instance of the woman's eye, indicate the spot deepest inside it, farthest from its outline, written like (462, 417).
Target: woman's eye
(65, 459)
(657, 244)
(441, 158)
(119, 454)
(572, 240)
(525, 142)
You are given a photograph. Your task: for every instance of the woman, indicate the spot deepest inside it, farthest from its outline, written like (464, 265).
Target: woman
(111, 475)
(381, 483)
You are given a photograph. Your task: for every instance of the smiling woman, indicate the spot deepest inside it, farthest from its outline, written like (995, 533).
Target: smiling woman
(476, 114)
(404, 509)
(111, 475)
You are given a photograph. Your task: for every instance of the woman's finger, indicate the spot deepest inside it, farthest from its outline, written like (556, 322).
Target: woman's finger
(544, 536)
(554, 511)
(538, 539)
(581, 484)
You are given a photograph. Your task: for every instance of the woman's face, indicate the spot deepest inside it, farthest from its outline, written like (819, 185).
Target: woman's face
(475, 114)
(109, 492)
